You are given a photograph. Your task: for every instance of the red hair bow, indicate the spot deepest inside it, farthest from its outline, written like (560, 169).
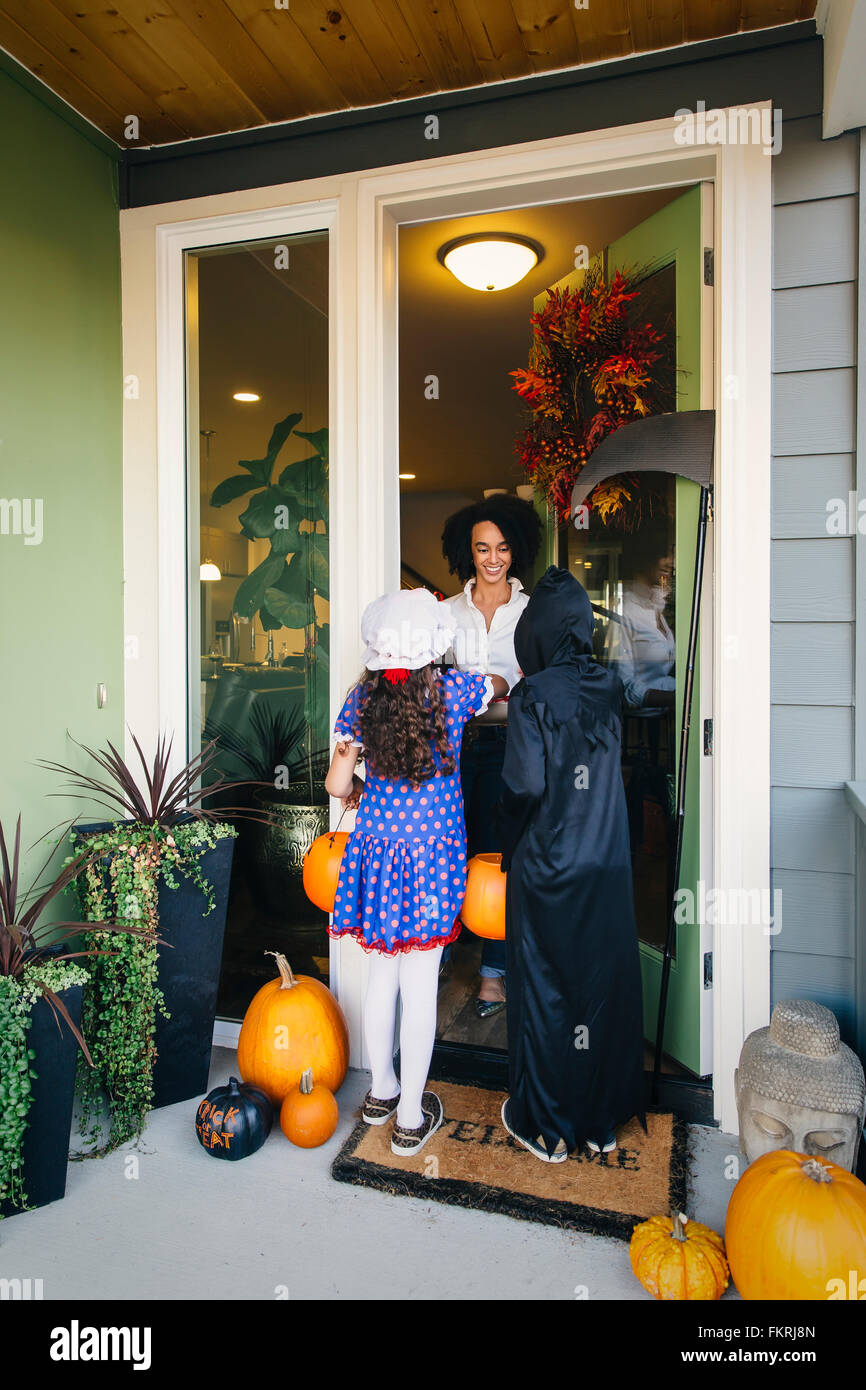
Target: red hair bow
(398, 675)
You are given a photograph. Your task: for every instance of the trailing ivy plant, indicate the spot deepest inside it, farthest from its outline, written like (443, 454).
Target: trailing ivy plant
(122, 1002)
(34, 964)
(166, 830)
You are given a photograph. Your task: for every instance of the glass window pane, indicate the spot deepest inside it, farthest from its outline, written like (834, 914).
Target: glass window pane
(257, 344)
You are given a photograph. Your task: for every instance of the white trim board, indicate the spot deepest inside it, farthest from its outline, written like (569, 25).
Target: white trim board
(365, 211)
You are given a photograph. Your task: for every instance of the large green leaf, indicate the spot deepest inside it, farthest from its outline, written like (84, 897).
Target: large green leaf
(262, 515)
(251, 593)
(280, 434)
(261, 469)
(307, 481)
(230, 488)
(318, 439)
(291, 611)
(308, 568)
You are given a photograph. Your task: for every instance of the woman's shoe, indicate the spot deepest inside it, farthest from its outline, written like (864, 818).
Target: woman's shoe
(487, 1008)
(535, 1146)
(406, 1142)
(378, 1112)
(607, 1147)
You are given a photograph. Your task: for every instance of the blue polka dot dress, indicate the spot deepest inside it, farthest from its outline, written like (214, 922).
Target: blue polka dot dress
(403, 875)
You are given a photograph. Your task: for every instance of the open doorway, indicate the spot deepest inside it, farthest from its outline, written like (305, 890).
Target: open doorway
(460, 419)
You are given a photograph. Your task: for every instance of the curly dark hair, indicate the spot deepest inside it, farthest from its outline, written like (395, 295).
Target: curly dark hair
(401, 725)
(518, 521)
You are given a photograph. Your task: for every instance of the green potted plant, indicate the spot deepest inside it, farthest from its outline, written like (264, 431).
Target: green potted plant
(288, 782)
(287, 748)
(291, 513)
(41, 983)
(148, 1009)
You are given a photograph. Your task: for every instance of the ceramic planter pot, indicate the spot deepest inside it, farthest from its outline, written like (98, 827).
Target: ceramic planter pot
(45, 1146)
(277, 850)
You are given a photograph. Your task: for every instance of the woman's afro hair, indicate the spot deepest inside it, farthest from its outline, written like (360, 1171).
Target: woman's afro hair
(518, 521)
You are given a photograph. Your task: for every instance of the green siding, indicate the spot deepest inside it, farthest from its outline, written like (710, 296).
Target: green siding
(61, 601)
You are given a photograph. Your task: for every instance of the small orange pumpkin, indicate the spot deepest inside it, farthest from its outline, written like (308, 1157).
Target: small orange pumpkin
(322, 868)
(293, 1022)
(675, 1258)
(483, 909)
(796, 1225)
(309, 1113)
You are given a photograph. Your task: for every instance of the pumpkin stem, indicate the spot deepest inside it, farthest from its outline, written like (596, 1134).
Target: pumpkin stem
(678, 1228)
(233, 1084)
(287, 979)
(306, 1085)
(816, 1171)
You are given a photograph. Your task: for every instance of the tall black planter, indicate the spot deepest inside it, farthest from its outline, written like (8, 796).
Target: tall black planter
(45, 1146)
(189, 972)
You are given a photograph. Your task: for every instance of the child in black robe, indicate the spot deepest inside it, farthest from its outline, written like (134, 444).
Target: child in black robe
(575, 1027)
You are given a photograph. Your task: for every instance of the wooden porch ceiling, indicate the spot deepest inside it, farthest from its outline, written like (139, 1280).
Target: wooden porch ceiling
(191, 68)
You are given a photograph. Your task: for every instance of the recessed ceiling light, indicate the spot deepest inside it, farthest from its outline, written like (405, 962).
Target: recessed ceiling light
(245, 396)
(405, 475)
(490, 260)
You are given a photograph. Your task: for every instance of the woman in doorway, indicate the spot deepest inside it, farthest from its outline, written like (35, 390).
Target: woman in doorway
(575, 1027)
(488, 545)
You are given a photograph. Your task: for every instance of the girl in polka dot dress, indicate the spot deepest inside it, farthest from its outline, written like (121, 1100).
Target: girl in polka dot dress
(403, 874)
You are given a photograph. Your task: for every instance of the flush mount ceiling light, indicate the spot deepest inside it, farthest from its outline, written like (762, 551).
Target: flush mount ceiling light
(490, 260)
(245, 396)
(406, 475)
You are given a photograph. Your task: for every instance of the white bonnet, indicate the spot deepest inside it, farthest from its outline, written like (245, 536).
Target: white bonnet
(409, 628)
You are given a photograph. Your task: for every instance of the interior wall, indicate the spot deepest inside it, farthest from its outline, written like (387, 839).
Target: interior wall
(61, 609)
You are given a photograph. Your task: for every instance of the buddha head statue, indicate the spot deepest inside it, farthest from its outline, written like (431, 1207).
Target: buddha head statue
(799, 1087)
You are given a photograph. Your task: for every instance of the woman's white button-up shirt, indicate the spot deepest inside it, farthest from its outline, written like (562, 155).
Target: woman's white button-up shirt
(476, 649)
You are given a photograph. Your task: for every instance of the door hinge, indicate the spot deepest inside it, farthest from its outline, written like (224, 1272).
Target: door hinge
(708, 969)
(709, 266)
(708, 738)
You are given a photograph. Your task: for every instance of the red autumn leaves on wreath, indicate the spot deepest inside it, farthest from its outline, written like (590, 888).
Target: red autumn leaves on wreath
(589, 372)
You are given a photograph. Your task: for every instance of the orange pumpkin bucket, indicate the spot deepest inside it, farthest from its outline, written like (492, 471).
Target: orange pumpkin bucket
(322, 868)
(483, 909)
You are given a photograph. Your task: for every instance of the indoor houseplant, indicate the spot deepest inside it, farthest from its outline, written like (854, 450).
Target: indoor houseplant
(289, 789)
(41, 983)
(148, 1009)
(287, 748)
(290, 585)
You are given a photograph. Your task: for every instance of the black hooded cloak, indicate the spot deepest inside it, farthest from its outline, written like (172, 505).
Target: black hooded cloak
(575, 1025)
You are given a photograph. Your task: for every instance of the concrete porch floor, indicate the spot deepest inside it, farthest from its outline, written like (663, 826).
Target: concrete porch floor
(190, 1227)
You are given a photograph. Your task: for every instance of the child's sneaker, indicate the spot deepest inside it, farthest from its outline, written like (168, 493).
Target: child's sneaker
(607, 1147)
(378, 1112)
(406, 1142)
(535, 1146)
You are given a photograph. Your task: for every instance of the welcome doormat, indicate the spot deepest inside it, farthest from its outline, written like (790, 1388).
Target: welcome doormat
(473, 1162)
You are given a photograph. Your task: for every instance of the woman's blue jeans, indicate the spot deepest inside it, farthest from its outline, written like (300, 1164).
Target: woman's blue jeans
(481, 757)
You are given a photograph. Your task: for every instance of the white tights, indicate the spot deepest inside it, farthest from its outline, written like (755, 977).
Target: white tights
(414, 975)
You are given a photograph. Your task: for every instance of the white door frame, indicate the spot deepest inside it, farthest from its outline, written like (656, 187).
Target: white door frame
(363, 213)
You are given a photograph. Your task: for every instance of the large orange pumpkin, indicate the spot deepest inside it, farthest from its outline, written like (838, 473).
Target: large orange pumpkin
(322, 868)
(795, 1223)
(293, 1022)
(309, 1114)
(675, 1258)
(483, 908)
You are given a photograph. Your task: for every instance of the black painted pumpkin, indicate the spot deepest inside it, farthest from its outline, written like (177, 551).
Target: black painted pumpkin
(234, 1120)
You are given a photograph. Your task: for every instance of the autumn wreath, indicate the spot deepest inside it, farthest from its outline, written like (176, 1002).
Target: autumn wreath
(591, 369)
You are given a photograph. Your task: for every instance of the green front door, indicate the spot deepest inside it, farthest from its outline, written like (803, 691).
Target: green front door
(668, 249)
